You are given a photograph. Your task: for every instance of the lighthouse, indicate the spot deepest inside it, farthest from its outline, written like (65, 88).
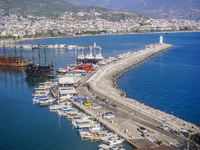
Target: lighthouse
(161, 39)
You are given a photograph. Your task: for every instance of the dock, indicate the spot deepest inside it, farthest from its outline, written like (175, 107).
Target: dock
(54, 46)
(100, 86)
(130, 114)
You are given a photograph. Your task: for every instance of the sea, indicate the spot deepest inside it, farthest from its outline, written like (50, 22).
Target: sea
(169, 82)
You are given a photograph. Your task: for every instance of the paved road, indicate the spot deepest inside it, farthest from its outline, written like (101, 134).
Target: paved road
(123, 119)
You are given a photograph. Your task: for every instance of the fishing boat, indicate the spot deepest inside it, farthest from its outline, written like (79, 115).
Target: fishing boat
(95, 137)
(47, 101)
(114, 140)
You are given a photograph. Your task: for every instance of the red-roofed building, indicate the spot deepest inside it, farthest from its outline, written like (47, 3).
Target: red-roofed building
(86, 67)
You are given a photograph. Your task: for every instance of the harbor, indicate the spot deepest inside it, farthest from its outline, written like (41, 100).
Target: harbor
(129, 114)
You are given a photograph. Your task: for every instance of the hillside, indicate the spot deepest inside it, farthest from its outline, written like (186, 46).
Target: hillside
(56, 8)
(48, 8)
(181, 9)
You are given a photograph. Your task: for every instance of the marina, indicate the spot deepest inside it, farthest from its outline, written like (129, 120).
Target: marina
(124, 123)
(125, 62)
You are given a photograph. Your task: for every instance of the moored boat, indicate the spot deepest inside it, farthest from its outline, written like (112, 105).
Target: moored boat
(40, 70)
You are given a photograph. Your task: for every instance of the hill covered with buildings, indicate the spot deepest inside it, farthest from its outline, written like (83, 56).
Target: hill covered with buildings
(55, 9)
(163, 9)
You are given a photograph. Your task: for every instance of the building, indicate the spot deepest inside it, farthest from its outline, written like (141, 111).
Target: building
(86, 67)
(71, 81)
(66, 93)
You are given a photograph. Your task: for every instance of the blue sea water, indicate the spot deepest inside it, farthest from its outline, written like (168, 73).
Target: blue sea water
(169, 82)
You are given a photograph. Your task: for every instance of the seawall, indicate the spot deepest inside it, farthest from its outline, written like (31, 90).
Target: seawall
(103, 83)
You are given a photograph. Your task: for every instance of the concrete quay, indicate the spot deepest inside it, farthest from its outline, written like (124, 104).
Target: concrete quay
(106, 77)
(102, 83)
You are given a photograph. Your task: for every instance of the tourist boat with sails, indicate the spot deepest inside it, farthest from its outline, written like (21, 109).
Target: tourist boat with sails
(13, 60)
(38, 70)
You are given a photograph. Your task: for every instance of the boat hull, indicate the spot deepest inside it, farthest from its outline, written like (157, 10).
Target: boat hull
(36, 70)
(12, 61)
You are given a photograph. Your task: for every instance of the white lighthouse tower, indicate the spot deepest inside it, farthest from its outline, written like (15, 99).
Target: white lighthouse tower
(161, 39)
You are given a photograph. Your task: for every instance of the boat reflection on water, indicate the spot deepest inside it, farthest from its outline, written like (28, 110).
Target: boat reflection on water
(34, 81)
(11, 70)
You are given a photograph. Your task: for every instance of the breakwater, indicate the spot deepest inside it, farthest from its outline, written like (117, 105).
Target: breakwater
(106, 77)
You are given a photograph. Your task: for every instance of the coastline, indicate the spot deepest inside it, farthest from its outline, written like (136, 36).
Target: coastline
(109, 76)
(12, 43)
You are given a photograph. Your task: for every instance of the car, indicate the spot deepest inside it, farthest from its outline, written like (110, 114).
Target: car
(107, 102)
(96, 107)
(163, 126)
(113, 104)
(108, 115)
(88, 103)
(142, 129)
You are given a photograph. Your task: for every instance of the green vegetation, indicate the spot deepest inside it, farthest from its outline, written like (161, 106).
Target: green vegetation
(94, 32)
(159, 142)
(8, 37)
(53, 9)
(48, 8)
(143, 24)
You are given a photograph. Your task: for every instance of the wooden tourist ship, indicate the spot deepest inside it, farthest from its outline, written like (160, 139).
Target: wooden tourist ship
(38, 70)
(16, 61)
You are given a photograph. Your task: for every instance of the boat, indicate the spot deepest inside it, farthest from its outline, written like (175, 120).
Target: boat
(15, 61)
(64, 113)
(38, 99)
(62, 70)
(95, 137)
(37, 70)
(47, 101)
(86, 135)
(59, 106)
(89, 58)
(41, 93)
(114, 140)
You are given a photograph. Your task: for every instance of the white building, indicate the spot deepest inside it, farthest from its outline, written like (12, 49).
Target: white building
(66, 93)
(69, 81)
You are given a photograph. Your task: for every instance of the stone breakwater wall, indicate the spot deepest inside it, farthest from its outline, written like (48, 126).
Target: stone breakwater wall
(103, 83)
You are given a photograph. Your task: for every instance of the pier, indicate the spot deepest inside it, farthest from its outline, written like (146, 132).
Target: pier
(130, 114)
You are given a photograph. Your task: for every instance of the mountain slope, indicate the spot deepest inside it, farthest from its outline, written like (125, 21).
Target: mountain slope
(49, 8)
(185, 9)
(56, 8)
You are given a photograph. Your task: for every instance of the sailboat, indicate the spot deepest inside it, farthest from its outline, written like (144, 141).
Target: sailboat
(38, 70)
(17, 61)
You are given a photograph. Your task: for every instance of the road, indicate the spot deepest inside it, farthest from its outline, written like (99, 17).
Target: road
(124, 120)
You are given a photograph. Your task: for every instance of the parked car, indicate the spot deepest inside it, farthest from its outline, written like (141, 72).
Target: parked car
(163, 126)
(108, 102)
(113, 104)
(96, 107)
(108, 115)
(142, 129)
(88, 103)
